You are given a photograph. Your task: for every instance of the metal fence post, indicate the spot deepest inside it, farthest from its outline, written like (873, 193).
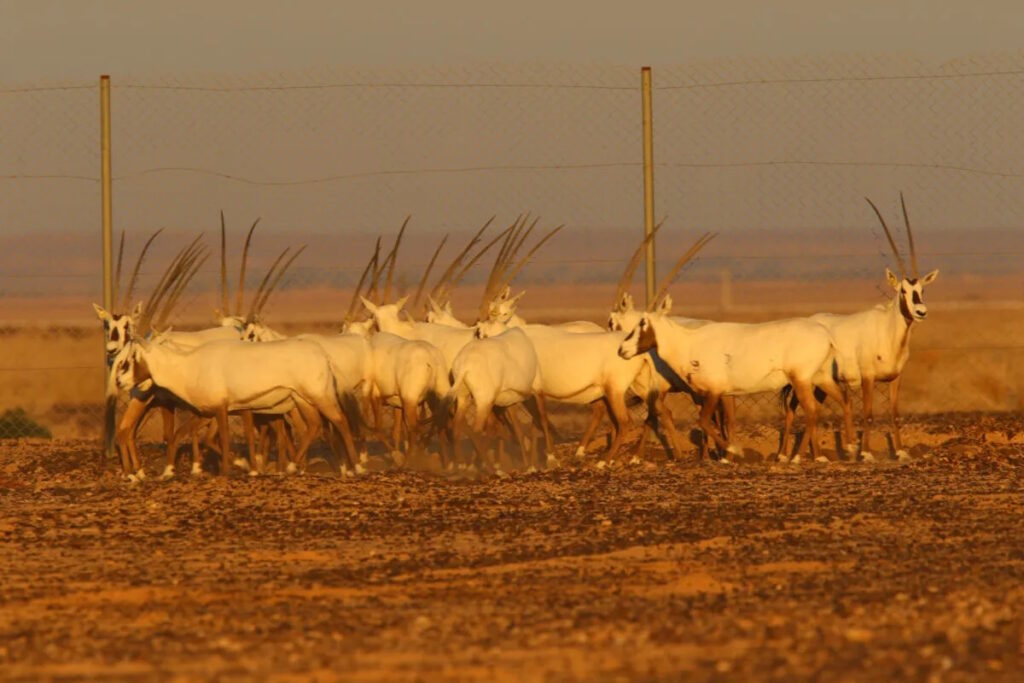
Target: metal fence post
(110, 392)
(645, 88)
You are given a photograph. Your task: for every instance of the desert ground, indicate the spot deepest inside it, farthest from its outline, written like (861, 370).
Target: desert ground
(639, 570)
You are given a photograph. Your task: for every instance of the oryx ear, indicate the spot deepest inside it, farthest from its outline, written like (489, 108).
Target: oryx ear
(927, 279)
(505, 293)
(894, 281)
(626, 302)
(665, 305)
(517, 297)
(401, 302)
(369, 305)
(137, 311)
(447, 308)
(433, 304)
(102, 313)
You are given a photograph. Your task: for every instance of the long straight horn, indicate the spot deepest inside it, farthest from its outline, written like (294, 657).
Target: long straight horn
(634, 262)
(359, 286)
(174, 271)
(426, 275)
(263, 283)
(117, 273)
(241, 273)
(690, 253)
(526, 259)
(373, 291)
(277, 279)
(138, 265)
(442, 283)
(500, 263)
(910, 237)
(473, 261)
(892, 242)
(393, 256)
(224, 309)
(190, 268)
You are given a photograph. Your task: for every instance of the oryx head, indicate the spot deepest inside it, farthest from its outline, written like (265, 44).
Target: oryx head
(640, 339)
(909, 286)
(503, 307)
(385, 316)
(441, 314)
(488, 328)
(127, 370)
(118, 328)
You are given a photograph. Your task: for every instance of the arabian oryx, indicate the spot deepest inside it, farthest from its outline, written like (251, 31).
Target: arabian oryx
(728, 359)
(497, 369)
(122, 328)
(874, 345)
(228, 376)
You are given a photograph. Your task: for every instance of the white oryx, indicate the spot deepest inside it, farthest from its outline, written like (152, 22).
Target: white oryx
(874, 345)
(227, 376)
(728, 359)
(497, 369)
(404, 374)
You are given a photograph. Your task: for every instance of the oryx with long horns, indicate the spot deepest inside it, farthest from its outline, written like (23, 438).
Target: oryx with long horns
(874, 345)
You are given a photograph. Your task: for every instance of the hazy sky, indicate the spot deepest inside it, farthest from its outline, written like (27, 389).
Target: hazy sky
(58, 39)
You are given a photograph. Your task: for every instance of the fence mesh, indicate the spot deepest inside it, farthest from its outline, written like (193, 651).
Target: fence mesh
(775, 155)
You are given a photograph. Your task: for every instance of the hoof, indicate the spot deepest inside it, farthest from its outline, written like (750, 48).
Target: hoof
(360, 469)
(903, 456)
(500, 474)
(851, 450)
(601, 464)
(821, 458)
(634, 460)
(734, 450)
(254, 473)
(196, 469)
(364, 457)
(580, 452)
(866, 456)
(168, 473)
(723, 461)
(796, 459)
(291, 468)
(783, 458)
(140, 474)
(241, 464)
(132, 479)
(553, 462)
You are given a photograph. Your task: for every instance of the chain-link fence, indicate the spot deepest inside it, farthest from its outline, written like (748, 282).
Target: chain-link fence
(775, 155)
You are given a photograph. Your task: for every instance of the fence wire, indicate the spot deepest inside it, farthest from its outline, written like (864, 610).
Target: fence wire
(775, 155)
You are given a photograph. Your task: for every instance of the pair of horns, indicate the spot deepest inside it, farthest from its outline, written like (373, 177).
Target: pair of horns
(892, 242)
(506, 268)
(270, 280)
(169, 288)
(634, 262)
(377, 267)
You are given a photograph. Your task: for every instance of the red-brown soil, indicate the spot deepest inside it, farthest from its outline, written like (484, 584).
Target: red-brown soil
(643, 571)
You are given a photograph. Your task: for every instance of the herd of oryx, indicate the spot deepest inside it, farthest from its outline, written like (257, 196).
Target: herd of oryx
(461, 383)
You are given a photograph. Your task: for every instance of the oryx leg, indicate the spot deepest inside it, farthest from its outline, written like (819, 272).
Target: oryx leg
(537, 407)
(505, 416)
(710, 432)
(664, 424)
(124, 437)
(411, 419)
(225, 440)
(311, 418)
(789, 404)
(867, 390)
(597, 411)
(336, 416)
(834, 392)
(897, 442)
(727, 419)
(620, 418)
(805, 394)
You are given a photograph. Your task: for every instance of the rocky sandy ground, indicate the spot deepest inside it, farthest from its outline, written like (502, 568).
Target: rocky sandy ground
(643, 571)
